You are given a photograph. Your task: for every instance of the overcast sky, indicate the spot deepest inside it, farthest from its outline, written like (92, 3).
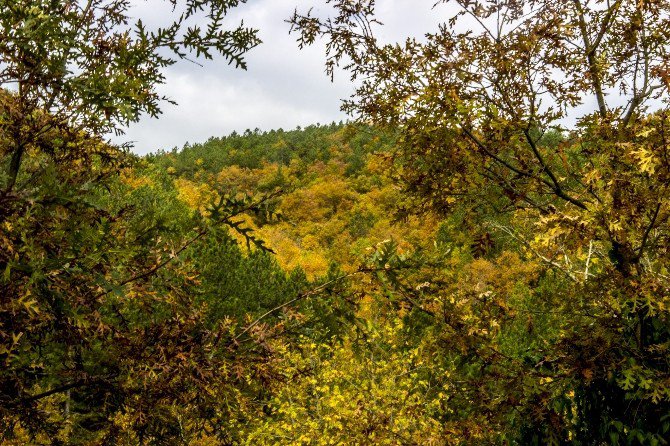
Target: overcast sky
(283, 86)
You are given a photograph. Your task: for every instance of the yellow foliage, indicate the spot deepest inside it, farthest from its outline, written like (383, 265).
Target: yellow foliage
(131, 179)
(238, 178)
(381, 397)
(196, 196)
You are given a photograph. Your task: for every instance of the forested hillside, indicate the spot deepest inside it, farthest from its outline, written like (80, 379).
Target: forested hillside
(357, 364)
(481, 257)
(335, 198)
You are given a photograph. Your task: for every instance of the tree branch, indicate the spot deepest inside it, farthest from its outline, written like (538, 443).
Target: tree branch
(590, 51)
(558, 191)
(647, 231)
(298, 298)
(60, 389)
(201, 233)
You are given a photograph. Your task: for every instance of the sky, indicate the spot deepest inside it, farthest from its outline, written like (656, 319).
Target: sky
(284, 87)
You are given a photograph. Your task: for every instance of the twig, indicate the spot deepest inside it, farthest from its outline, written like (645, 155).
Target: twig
(201, 233)
(588, 261)
(299, 297)
(511, 233)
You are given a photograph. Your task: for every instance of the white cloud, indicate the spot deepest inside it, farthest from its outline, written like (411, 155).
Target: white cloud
(283, 87)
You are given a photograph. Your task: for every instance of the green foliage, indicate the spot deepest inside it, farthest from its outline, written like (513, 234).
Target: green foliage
(84, 62)
(234, 284)
(251, 149)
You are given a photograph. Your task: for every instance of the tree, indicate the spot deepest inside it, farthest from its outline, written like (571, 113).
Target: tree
(84, 65)
(99, 339)
(497, 124)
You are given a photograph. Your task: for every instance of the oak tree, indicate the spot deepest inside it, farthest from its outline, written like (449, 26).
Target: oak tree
(543, 123)
(100, 340)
